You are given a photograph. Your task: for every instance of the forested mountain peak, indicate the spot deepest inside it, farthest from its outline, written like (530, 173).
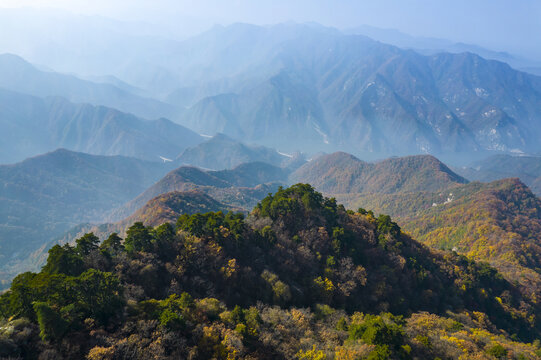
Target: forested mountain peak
(236, 275)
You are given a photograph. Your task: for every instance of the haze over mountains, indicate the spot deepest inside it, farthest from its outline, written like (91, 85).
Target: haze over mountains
(18, 75)
(376, 92)
(305, 87)
(31, 125)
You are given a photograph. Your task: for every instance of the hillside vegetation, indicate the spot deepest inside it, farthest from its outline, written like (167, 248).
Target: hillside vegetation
(297, 278)
(498, 222)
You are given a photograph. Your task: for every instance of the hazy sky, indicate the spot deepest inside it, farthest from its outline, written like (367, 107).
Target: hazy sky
(512, 25)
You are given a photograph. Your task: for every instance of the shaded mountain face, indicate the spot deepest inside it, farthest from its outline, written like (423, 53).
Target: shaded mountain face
(18, 75)
(358, 94)
(222, 152)
(341, 173)
(527, 168)
(31, 125)
(498, 222)
(46, 195)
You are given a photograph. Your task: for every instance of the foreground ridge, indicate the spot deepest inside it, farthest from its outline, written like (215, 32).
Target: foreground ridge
(297, 277)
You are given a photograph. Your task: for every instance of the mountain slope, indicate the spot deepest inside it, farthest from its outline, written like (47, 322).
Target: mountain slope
(252, 174)
(341, 173)
(18, 75)
(498, 222)
(44, 196)
(222, 152)
(31, 125)
(274, 113)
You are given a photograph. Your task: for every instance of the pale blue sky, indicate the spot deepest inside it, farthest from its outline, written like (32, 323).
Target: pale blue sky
(512, 25)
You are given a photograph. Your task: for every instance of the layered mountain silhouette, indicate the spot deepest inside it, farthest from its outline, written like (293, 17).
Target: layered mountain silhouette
(18, 75)
(305, 87)
(31, 125)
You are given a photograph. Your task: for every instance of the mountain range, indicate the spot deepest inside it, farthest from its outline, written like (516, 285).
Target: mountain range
(308, 88)
(31, 125)
(18, 75)
(352, 92)
(174, 194)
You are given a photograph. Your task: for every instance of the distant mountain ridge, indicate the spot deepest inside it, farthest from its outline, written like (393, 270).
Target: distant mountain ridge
(341, 173)
(30, 125)
(358, 94)
(305, 87)
(18, 75)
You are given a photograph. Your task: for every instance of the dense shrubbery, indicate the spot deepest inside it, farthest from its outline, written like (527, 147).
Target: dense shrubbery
(289, 280)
